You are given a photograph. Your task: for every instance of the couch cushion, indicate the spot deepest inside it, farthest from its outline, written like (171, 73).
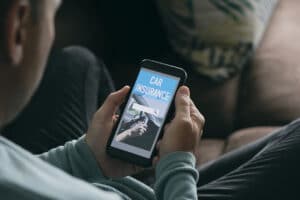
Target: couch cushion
(270, 89)
(217, 102)
(216, 37)
(246, 136)
(210, 149)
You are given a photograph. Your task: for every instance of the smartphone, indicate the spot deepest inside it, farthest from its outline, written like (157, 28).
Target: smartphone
(149, 105)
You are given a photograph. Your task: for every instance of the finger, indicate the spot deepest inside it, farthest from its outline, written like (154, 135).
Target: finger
(113, 101)
(115, 118)
(143, 132)
(195, 113)
(155, 160)
(166, 127)
(158, 145)
(182, 103)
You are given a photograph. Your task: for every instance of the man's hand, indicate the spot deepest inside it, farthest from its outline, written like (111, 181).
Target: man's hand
(137, 130)
(99, 132)
(185, 130)
(182, 134)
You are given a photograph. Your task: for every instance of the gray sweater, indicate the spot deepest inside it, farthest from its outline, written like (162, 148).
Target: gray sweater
(71, 172)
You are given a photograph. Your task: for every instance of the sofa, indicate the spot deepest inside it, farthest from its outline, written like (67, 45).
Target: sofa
(249, 106)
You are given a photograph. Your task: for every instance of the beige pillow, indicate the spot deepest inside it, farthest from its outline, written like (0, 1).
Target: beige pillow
(216, 37)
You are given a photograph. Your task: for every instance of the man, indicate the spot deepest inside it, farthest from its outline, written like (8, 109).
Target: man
(267, 169)
(26, 41)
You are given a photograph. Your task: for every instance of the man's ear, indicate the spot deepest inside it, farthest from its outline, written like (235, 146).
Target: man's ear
(15, 31)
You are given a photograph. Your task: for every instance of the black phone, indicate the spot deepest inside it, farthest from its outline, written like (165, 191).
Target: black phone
(149, 105)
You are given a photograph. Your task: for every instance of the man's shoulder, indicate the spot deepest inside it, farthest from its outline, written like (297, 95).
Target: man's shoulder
(25, 176)
(11, 149)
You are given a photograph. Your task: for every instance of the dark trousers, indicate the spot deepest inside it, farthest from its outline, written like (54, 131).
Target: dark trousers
(76, 83)
(266, 169)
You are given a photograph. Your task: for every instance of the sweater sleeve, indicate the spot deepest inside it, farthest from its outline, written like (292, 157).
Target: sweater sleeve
(76, 159)
(176, 177)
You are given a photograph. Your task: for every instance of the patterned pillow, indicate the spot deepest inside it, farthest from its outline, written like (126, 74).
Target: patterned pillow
(217, 37)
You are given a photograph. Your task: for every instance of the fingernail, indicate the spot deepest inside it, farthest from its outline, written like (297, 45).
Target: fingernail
(184, 91)
(126, 86)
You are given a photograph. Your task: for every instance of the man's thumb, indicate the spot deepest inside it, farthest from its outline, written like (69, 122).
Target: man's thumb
(113, 101)
(182, 102)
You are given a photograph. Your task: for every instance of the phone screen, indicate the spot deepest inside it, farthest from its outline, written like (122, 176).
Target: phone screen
(145, 112)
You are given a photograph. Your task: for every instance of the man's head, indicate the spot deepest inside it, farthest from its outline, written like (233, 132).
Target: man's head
(26, 36)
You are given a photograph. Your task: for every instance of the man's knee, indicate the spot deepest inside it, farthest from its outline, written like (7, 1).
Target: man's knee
(79, 55)
(76, 64)
(75, 59)
(291, 129)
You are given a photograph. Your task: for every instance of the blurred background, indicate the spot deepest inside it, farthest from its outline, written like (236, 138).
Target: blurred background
(258, 95)
(122, 33)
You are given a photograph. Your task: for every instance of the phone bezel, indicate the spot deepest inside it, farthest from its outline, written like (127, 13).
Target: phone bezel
(130, 157)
